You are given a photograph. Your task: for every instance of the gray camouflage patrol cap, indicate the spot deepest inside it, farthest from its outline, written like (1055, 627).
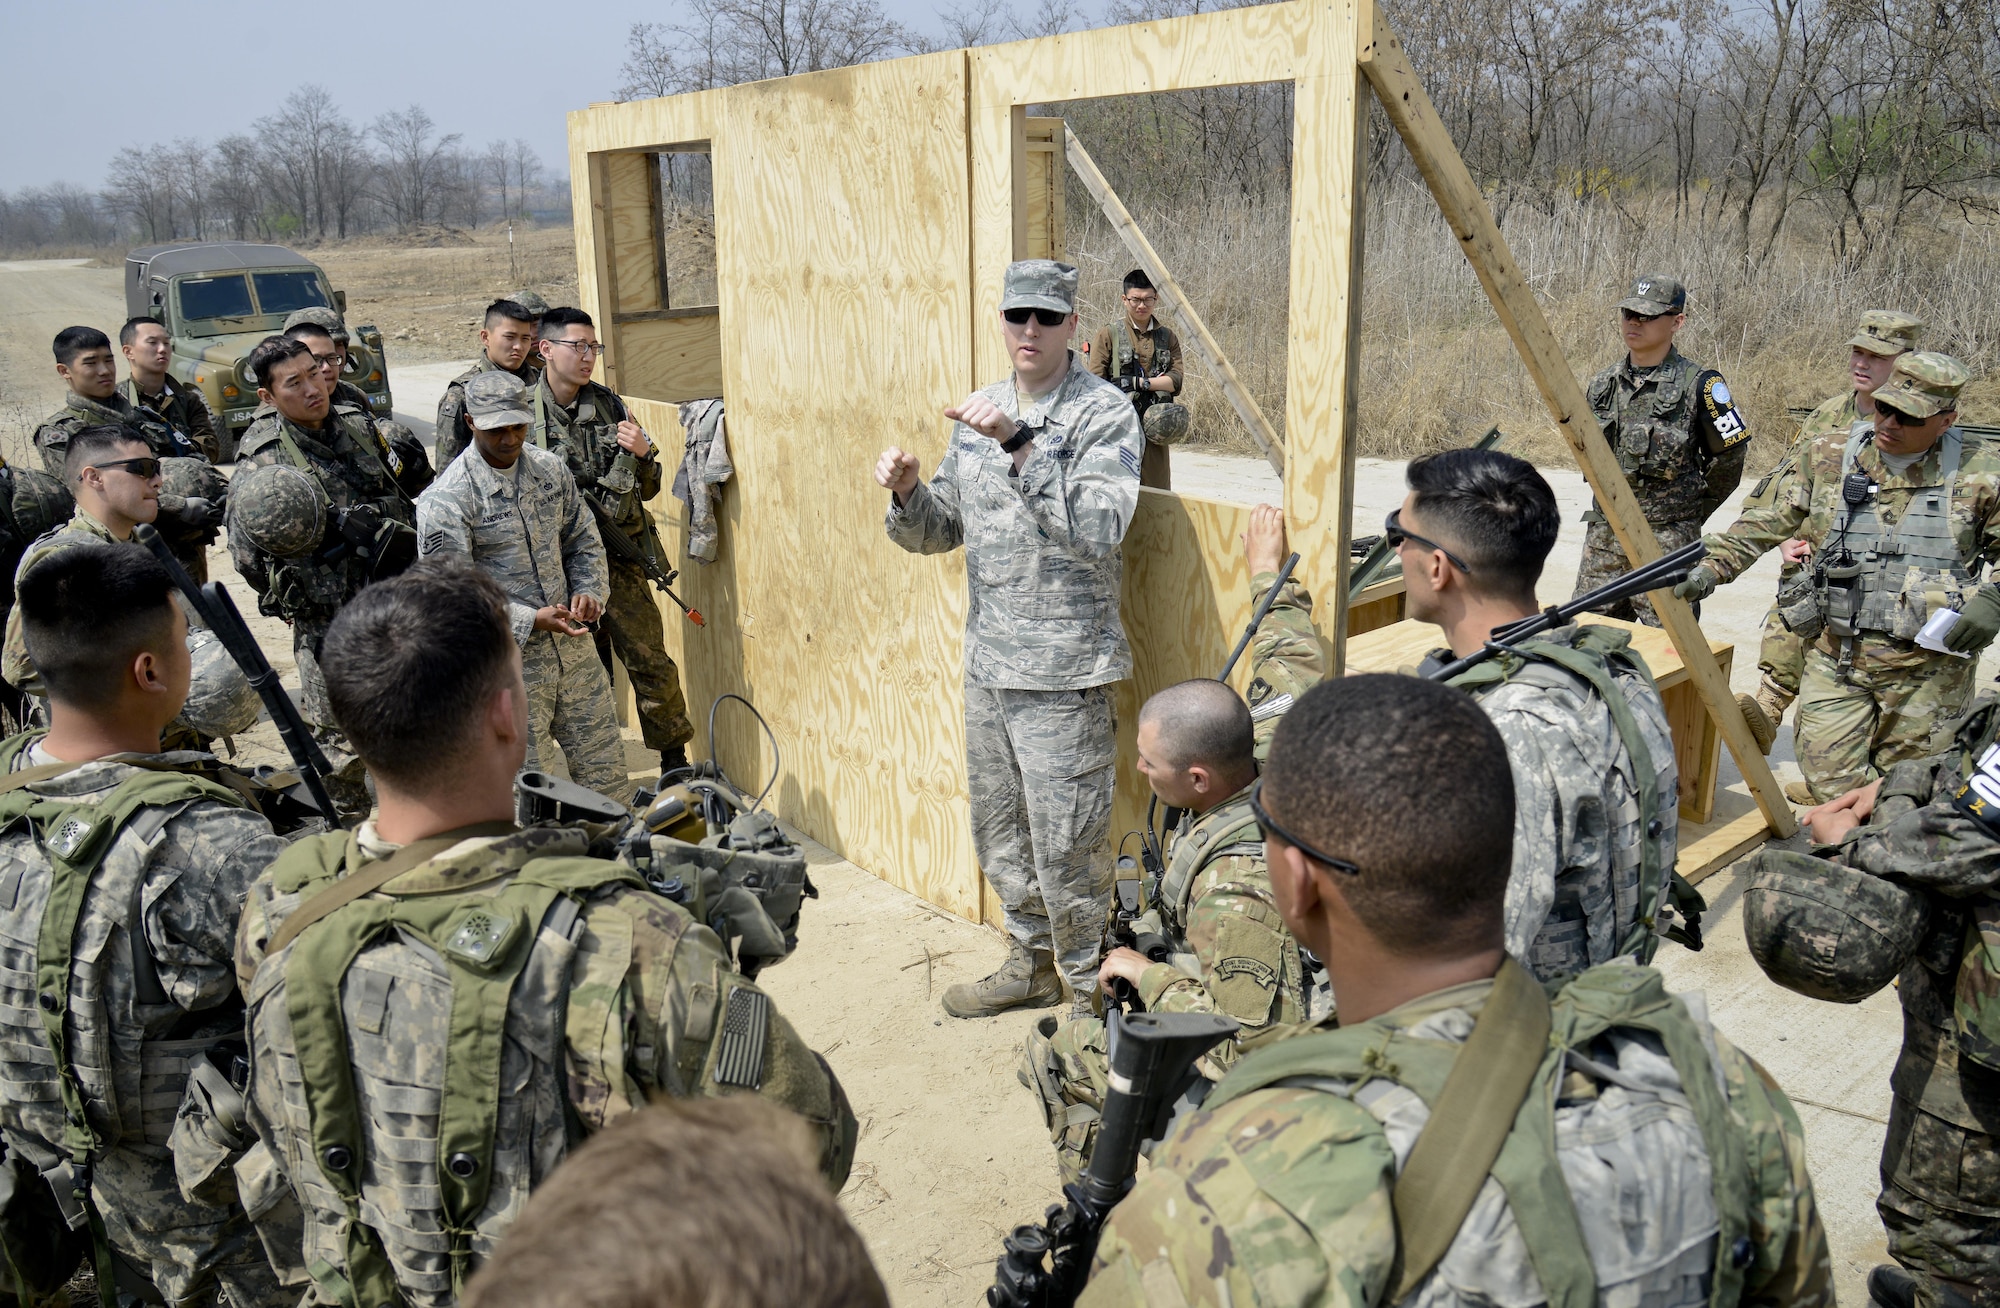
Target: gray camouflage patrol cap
(1039, 284)
(1924, 384)
(530, 301)
(496, 399)
(1655, 293)
(1886, 332)
(323, 318)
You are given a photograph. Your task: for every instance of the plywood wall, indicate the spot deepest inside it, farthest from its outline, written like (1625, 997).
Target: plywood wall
(863, 220)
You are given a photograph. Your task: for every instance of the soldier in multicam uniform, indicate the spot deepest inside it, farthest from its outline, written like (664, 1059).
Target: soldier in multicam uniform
(1664, 1167)
(125, 878)
(1882, 337)
(1929, 826)
(505, 342)
(1141, 356)
(370, 527)
(1595, 775)
(617, 467)
(1675, 431)
(1924, 523)
(1039, 483)
(593, 995)
(514, 510)
(149, 385)
(1231, 953)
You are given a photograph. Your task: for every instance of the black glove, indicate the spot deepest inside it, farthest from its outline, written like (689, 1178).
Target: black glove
(360, 525)
(198, 513)
(394, 549)
(1128, 383)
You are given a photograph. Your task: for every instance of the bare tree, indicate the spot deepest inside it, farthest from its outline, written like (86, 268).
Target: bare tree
(141, 185)
(730, 41)
(527, 166)
(497, 165)
(417, 164)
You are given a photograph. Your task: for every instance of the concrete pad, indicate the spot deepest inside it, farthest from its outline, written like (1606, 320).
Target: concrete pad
(416, 389)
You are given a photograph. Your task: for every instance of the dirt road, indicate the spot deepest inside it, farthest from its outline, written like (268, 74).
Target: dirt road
(953, 1151)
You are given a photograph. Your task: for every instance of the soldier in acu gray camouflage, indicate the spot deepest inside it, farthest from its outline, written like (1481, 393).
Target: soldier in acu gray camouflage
(1038, 484)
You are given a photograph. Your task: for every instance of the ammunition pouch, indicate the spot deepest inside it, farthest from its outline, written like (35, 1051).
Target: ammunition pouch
(1839, 590)
(1799, 606)
(211, 1132)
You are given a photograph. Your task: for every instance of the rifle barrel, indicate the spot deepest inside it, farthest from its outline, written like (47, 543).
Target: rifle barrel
(1257, 618)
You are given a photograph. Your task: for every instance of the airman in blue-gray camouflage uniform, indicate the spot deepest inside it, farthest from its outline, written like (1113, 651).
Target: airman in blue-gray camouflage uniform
(1039, 493)
(527, 526)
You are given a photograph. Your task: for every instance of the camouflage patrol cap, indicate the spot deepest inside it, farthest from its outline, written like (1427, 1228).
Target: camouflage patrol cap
(321, 317)
(1039, 284)
(530, 301)
(1924, 384)
(1655, 293)
(1886, 332)
(497, 399)
(1827, 931)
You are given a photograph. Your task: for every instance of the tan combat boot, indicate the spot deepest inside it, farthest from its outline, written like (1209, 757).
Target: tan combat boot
(1028, 979)
(1762, 725)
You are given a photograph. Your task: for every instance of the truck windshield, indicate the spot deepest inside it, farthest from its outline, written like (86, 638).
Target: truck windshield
(291, 289)
(215, 297)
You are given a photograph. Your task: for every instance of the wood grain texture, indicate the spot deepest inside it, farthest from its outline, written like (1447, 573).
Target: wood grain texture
(1464, 206)
(1194, 332)
(1329, 162)
(633, 189)
(1738, 829)
(675, 358)
(1043, 179)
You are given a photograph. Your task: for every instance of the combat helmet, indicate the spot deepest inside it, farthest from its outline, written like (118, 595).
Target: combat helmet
(278, 509)
(1166, 423)
(220, 701)
(1828, 931)
(193, 479)
(37, 502)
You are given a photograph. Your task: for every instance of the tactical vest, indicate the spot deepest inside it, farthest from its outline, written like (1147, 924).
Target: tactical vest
(614, 488)
(1651, 429)
(1899, 575)
(312, 587)
(418, 1043)
(1640, 823)
(1554, 1219)
(1975, 1016)
(1228, 829)
(78, 982)
(1126, 352)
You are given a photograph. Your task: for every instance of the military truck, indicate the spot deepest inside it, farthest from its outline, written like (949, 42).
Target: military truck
(217, 299)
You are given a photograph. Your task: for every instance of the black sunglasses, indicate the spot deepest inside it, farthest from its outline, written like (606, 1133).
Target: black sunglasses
(1046, 317)
(1392, 531)
(1267, 827)
(145, 467)
(1630, 315)
(1897, 416)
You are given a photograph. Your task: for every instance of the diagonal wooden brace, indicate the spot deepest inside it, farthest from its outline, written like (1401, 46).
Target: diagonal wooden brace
(1464, 206)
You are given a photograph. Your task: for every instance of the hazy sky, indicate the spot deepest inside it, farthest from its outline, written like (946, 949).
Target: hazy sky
(86, 79)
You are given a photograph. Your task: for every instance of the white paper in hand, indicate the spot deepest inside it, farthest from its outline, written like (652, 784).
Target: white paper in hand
(1934, 632)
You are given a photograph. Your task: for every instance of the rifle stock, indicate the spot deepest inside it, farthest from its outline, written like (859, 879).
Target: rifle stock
(218, 613)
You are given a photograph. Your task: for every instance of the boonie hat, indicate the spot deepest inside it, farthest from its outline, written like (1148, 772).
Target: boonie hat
(1655, 293)
(1886, 332)
(496, 399)
(1039, 284)
(1924, 384)
(321, 317)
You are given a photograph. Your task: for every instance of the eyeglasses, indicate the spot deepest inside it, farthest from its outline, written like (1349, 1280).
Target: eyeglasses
(335, 360)
(146, 466)
(1046, 317)
(1883, 413)
(1142, 301)
(1267, 828)
(1392, 531)
(584, 349)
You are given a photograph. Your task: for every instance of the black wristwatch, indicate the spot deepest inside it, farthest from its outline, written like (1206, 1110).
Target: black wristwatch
(1022, 435)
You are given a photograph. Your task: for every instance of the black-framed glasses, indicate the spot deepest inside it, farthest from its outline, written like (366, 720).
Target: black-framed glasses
(1392, 531)
(1883, 413)
(590, 349)
(1142, 301)
(1267, 827)
(334, 360)
(145, 466)
(1046, 317)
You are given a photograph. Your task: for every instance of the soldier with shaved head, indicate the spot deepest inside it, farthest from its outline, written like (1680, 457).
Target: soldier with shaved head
(1230, 953)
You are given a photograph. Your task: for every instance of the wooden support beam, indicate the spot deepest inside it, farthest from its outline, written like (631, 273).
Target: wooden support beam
(1198, 338)
(1464, 207)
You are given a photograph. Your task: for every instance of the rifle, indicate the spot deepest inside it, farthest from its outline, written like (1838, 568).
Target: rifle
(1665, 571)
(211, 603)
(1152, 849)
(1045, 1264)
(620, 544)
(1376, 561)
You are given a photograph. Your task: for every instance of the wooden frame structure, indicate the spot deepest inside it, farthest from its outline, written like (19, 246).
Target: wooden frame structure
(864, 216)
